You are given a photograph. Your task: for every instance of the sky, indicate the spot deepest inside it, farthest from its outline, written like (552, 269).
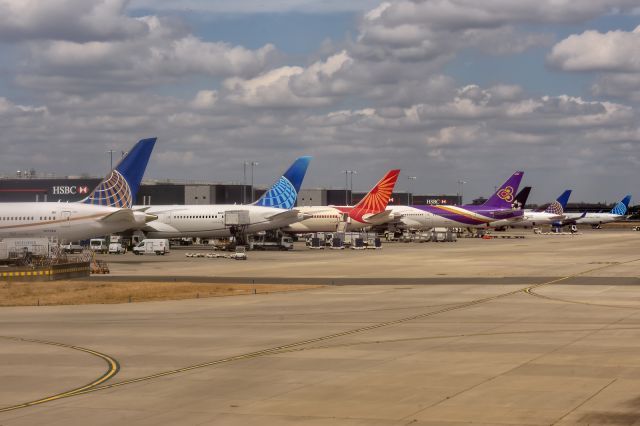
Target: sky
(446, 90)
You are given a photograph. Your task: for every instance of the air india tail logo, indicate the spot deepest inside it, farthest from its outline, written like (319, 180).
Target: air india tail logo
(506, 194)
(377, 199)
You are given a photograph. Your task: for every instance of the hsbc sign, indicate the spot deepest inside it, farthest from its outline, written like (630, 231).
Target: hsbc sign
(69, 189)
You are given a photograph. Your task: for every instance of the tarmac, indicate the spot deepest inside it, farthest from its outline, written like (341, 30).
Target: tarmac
(539, 331)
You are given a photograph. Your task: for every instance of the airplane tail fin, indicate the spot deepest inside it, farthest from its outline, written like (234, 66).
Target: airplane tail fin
(377, 199)
(120, 187)
(284, 193)
(522, 197)
(622, 206)
(505, 195)
(563, 199)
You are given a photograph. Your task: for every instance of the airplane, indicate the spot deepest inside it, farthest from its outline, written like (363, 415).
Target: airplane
(545, 215)
(618, 212)
(371, 210)
(522, 197)
(271, 211)
(107, 210)
(500, 206)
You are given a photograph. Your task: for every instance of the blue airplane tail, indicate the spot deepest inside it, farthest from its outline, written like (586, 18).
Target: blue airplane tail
(563, 199)
(119, 189)
(558, 206)
(622, 206)
(284, 193)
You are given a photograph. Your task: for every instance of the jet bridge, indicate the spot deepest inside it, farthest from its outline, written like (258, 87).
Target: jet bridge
(238, 221)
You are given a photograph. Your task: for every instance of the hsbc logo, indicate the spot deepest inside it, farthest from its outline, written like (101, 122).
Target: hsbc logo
(69, 190)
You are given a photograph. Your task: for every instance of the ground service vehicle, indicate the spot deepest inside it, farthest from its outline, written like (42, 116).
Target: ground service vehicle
(98, 245)
(72, 247)
(117, 248)
(159, 246)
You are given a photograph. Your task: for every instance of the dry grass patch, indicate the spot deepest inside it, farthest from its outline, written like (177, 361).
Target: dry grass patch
(74, 292)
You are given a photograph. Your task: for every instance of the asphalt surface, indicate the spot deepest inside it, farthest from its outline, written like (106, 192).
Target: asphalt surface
(539, 331)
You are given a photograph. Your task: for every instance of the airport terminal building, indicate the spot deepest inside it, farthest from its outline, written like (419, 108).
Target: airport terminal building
(75, 188)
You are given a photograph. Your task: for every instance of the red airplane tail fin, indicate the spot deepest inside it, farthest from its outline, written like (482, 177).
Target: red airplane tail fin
(377, 199)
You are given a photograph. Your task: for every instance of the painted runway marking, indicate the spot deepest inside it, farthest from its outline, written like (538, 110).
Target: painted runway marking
(114, 367)
(112, 370)
(529, 290)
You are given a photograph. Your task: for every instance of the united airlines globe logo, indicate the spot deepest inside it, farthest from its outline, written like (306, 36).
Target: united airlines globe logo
(282, 195)
(112, 192)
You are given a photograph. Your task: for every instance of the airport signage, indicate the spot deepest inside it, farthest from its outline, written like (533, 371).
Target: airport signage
(436, 202)
(69, 189)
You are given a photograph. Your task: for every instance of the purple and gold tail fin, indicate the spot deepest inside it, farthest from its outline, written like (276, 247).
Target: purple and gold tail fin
(120, 187)
(506, 194)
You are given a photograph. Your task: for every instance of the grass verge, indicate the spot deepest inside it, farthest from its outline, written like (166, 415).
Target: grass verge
(81, 292)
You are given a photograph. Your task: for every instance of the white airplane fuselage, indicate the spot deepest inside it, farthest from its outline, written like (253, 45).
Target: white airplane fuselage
(324, 219)
(212, 220)
(593, 218)
(65, 221)
(416, 219)
(529, 219)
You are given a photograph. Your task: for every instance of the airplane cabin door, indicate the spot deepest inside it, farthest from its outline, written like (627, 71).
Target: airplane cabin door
(66, 217)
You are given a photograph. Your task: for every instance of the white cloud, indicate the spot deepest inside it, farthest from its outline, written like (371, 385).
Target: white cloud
(291, 86)
(204, 99)
(618, 85)
(164, 54)
(594, 51)
(73, 20)
(255, 6)
(614, 56)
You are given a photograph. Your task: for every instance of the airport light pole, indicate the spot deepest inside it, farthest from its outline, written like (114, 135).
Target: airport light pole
(460, 189)
(111, 151)
(244, 182)
(411, 179)
(353, 172)
(346, 185)
(253, 163)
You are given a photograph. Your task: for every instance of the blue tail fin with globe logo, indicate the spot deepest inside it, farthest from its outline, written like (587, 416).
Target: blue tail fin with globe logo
(284, 193)
(120, 187)
(622, 206)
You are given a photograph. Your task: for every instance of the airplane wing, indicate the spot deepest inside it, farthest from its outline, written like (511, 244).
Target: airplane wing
(569, 221)
(291, 215)
(379, 218)
(156, 226)
(506, 214)
(121, 215)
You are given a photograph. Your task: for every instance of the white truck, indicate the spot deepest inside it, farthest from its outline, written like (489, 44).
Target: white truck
(157, 246)
(260, 242)
(23, 249)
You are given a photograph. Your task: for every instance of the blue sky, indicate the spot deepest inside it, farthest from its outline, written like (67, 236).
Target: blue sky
(444, 90)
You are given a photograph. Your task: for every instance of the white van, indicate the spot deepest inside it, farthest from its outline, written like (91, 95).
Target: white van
(152, 245)
(98, 245)
(117, 248)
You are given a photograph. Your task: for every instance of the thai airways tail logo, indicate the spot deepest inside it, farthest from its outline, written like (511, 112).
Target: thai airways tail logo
(506, 194)
(112, 192)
